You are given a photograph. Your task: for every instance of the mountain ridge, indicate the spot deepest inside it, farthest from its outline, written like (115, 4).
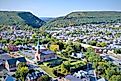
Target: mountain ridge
(71, 19)
(20, 17)
(86, 17)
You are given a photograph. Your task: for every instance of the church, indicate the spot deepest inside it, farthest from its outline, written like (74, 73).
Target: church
(43, 54)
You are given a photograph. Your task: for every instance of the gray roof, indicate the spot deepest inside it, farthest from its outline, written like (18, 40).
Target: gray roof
(11, 61)
(47, 52)
(21, 59)
(72, 78)
(14, 60)
(4, 57)
(2, 51)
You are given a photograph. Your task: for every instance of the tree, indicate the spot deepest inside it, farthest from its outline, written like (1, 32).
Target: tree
(115, 78)
(102, 44)
(11, 42)
(63, 69)
(67, 65)
(98, 44)
(69, 50)
(44, 78)
(21, 64)
(54, 47)
(103, 68)
(77, 47)
(21, 73)
(18, 42)
(33, 35)
(61, 45)
(117, 51)
(93, 43)
(3, 41)
(45, 41)
(108, 33)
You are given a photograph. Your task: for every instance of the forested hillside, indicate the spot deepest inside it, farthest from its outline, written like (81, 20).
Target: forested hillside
(19, 18)
(77, 18)
(72, 19)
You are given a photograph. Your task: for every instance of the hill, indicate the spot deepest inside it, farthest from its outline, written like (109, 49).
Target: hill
(20, 18)
(78, 18)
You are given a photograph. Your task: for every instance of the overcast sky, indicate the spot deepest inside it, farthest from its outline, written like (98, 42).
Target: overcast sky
(55, 8)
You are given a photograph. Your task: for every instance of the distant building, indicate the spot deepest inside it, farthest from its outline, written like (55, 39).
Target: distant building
(2, 51)
(12, 48)
(42, 54)
(98, 50)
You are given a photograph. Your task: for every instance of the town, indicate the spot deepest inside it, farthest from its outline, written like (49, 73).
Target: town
(60, 40)
(89, 52)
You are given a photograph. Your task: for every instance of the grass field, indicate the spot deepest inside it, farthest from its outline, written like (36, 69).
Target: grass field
(48, 70)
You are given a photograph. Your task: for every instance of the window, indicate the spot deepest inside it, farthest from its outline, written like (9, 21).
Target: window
(37, 58)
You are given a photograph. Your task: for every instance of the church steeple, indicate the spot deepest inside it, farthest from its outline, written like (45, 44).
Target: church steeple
(37, 54)
(38, 47)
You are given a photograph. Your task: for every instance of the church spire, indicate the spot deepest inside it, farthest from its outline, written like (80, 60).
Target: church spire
(38, 46)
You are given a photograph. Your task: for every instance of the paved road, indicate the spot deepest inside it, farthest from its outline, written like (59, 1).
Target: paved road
(116, 61)
(113, 59)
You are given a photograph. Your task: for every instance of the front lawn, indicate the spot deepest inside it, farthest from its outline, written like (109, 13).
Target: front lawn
(48, 70)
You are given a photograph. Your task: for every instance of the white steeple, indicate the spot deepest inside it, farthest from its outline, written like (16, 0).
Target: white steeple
(38, 46)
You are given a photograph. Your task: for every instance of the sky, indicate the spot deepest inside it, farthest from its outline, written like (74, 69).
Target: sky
(56, 8)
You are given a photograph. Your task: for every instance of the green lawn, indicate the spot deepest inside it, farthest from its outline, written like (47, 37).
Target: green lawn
(48, 70)
(73, 63)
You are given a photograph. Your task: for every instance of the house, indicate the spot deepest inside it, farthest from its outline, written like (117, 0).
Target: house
(43, 54)
(100, 51)
(3, 58)
(1, 45)
(112, 46)
(11, 64)
(34, 76)
(77, 55)
(80, 74)
(85, 75)
(26, 47)
(2, 51)
(12, 48)
(71, 78)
